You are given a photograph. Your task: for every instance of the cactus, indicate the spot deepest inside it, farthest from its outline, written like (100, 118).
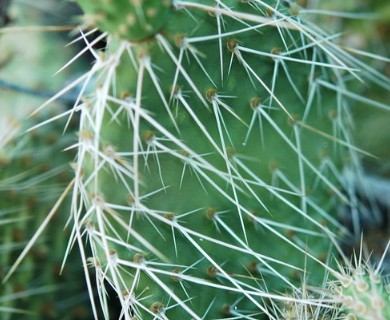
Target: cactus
(203, 148)
(363, 293)
(357, 289)
(34, 170)
(31, 183)
(357, 292)
(209, 156)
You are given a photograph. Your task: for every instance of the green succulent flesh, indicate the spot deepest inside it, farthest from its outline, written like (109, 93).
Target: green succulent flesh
(131, 19)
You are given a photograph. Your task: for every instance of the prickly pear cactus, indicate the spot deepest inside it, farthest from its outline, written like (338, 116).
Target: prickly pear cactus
(209, 155)
(358, 290)
(363, 294)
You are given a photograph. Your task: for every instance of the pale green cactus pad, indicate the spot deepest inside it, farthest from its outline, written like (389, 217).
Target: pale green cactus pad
(129, 19)
(31, 183)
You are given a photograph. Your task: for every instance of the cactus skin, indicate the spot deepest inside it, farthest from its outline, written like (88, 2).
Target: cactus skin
(199, 162)
(131, 19)
(357, 291)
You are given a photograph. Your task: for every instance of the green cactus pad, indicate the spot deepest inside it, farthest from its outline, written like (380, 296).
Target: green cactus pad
(209, 160)
(134, 20)
(363, 294)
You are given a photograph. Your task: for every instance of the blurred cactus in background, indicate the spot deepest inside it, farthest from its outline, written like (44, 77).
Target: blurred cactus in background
(202, 172)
